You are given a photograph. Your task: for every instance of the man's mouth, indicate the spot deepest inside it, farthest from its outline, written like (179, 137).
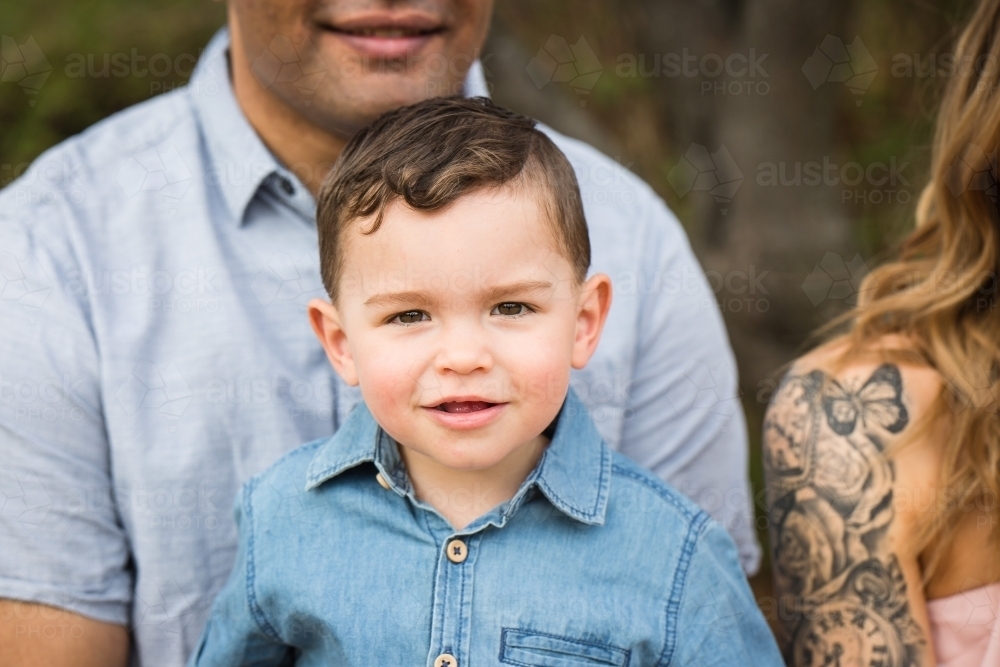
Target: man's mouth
(386, 34)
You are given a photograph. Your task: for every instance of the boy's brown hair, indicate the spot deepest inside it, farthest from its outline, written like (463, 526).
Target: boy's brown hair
(431, 153)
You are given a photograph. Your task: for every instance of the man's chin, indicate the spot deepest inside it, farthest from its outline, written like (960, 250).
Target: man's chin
(379, 94)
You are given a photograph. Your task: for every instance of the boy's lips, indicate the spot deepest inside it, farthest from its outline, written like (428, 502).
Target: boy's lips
(463, 406)
(465, 412)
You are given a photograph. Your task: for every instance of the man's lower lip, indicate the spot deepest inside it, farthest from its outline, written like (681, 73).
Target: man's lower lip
(385, 47)
(466, 420)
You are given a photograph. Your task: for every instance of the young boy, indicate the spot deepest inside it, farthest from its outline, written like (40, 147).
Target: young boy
(468, 513)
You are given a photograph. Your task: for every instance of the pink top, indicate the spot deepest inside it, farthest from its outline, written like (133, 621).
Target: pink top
(966, 628)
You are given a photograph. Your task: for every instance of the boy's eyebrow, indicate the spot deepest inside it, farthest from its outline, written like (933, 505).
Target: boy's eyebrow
(498, 292)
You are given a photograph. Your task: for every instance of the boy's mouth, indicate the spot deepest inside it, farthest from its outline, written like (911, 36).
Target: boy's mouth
(465, 412)
(463, 406)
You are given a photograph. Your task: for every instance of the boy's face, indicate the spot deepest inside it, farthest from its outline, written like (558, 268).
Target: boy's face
(461, 325)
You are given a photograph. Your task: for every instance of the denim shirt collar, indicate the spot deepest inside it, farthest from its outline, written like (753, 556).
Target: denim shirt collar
(240, 162)
(574, 472)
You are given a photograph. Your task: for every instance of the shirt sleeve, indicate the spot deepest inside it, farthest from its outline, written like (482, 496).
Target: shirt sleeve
(63, 541)
(237, 633)
(684, 420)
(718, 622)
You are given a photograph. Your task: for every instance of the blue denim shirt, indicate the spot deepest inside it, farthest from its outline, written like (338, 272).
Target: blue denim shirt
(593, 562)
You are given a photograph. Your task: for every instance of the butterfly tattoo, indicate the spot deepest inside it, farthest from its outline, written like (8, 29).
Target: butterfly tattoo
(877, 403)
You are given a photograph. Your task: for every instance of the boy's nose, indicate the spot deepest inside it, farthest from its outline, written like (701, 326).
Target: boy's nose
(463, 349)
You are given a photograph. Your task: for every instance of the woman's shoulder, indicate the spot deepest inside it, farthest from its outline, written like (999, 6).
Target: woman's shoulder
(836, 360)
(882, 394)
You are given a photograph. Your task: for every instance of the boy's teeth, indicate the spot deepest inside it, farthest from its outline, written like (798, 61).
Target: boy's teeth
(464, 406)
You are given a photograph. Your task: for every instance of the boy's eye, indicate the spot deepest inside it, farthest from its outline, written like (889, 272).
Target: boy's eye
(510, 308)
(409, 317)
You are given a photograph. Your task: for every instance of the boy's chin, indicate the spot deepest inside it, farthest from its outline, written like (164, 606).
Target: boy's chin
(464, 457)
(462, 460)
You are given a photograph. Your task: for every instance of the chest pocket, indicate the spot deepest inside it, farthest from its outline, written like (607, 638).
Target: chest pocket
(538, 649)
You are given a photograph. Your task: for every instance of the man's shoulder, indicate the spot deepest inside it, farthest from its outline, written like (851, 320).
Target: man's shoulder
(146, 122)
(108, 155)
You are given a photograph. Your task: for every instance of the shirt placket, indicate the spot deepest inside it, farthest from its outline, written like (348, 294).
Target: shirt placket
(452, 620)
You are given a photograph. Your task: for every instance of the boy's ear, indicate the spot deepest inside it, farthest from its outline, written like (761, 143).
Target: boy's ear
(592, 310)
(325, 320)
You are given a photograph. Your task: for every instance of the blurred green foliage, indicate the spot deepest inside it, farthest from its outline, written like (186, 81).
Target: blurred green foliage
(125, 36)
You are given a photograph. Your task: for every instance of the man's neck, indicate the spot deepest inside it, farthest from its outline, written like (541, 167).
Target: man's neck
(461, 496)
(301, 146)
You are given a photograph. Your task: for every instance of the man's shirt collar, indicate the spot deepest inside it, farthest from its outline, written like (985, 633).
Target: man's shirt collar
(239, 161)
(574, 472)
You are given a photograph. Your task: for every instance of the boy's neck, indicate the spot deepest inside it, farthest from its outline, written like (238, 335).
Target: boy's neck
(461, 496)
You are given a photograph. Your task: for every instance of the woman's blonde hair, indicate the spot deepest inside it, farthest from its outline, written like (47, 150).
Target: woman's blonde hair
(941, 292)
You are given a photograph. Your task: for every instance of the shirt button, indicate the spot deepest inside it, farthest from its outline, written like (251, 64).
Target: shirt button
(381, 480)
(456, 551)
(446, 660)
(287, 186)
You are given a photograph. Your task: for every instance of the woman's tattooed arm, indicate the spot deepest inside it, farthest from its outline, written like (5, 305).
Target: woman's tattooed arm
(841, 594)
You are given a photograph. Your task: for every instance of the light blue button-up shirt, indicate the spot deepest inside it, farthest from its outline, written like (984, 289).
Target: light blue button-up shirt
(155, 354)
(594, 561)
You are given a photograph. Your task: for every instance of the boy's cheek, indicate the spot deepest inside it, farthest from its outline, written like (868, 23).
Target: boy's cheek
(388, 374)
(539, 373)
(546, 388)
